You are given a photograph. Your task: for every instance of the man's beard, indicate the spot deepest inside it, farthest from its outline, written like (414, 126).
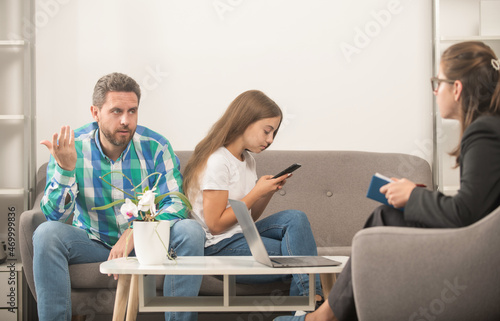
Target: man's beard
(117, 142)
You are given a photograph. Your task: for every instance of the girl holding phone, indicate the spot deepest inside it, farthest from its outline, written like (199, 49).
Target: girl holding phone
(222, 167)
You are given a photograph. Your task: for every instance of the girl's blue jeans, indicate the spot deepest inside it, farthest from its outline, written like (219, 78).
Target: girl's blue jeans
(286, 233)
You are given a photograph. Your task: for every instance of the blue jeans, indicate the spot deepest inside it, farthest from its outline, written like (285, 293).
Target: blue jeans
(56, 245)
(285, 233)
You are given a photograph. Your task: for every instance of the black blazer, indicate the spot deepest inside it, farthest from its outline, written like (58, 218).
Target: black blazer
(479, 192)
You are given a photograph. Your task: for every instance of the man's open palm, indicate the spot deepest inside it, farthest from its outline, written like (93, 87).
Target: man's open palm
(62, 148)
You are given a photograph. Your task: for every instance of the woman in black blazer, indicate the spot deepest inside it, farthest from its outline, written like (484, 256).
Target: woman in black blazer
(467, 89)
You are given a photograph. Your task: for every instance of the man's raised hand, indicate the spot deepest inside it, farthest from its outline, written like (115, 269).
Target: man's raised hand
(62, 148)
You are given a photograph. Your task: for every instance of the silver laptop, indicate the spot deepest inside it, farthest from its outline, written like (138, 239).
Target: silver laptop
(259, 251)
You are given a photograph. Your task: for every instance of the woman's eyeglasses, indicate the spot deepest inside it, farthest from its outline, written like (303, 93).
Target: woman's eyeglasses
(435, 82)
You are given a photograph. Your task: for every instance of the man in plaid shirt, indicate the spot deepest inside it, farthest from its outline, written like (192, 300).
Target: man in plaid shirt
(114, 142)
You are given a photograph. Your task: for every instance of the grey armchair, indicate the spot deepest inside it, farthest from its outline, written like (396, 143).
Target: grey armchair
(428, 274)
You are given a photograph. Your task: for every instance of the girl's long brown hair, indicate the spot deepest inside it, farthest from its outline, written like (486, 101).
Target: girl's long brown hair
(246, 109)
(471, 63)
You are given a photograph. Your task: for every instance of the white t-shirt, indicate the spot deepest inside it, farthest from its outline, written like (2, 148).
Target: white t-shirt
(224, 172)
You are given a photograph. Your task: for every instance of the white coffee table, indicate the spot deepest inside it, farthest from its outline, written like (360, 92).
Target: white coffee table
(143, 277)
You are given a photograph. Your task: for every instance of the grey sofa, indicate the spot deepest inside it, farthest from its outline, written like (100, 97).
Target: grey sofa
(330, 188)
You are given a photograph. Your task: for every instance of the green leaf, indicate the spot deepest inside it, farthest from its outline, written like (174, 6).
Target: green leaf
(117, 172)
(179, 195)
(105, 207)
(147, 177)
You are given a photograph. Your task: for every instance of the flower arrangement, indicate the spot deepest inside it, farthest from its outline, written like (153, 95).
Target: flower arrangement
(143, 203)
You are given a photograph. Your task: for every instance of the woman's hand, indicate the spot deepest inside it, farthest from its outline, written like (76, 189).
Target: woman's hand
(267, 185)
(398, 192)
(262, 193)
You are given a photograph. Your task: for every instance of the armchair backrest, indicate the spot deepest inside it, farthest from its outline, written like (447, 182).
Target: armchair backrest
(424, 274)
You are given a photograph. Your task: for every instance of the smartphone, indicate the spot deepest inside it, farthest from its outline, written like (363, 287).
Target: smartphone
(287, 170)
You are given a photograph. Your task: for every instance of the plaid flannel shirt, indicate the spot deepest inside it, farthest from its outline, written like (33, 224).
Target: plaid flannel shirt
(148, 152)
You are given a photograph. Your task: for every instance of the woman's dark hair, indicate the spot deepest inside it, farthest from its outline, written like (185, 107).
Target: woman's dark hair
(475, 65)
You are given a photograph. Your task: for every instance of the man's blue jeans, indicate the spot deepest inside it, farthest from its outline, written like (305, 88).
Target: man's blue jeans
(285, 233)
(57, 245)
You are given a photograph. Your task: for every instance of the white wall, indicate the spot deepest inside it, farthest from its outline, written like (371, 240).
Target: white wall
(340, 88)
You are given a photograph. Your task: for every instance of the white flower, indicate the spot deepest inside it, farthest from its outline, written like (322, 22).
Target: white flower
(129, 209)
(147, 202)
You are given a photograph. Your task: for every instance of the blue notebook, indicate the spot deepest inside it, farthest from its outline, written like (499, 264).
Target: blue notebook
(378, 180)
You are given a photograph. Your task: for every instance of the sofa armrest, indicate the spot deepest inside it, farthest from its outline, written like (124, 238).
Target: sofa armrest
(409, 273)
(29, 221)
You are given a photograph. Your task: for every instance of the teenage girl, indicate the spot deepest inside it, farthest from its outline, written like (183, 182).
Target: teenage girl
(222, 167)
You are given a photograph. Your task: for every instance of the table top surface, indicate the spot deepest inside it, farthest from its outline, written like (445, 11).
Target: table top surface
(210, 265)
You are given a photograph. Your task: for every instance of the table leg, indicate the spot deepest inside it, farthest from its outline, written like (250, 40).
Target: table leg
(122, 291)
(312, 290)
(229, 289)
(327, 281)
(133, 299)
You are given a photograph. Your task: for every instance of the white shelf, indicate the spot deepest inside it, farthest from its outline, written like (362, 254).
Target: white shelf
(216, 304)
(12, 191)
(17, 115)
(12, 117)
(12, 42)
(469, 38)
